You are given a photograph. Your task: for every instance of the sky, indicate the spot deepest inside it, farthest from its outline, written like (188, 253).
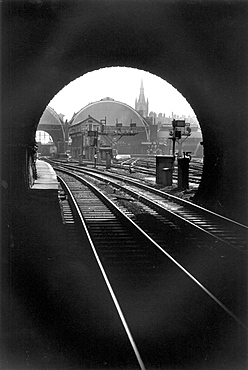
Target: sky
(121, 84)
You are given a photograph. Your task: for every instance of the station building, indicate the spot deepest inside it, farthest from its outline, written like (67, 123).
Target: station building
(108, 124)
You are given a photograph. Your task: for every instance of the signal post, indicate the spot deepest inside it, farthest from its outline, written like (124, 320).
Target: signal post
(181, 128)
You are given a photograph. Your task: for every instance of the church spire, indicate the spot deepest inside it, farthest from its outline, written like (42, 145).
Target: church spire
(142, 94)
(141, 105)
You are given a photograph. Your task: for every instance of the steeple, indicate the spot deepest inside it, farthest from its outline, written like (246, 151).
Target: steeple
(141, 105)
(142, 94)
(142, 87)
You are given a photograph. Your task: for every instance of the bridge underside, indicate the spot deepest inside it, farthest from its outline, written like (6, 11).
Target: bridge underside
(198, 47)
(54, 131)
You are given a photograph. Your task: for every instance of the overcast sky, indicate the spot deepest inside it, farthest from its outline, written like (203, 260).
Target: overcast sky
(121, 84)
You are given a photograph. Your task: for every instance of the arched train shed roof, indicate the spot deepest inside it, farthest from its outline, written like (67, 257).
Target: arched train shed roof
(50, 117)
(111, 109)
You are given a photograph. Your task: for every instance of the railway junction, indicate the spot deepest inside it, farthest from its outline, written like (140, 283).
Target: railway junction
(79, 307)
(159, 284)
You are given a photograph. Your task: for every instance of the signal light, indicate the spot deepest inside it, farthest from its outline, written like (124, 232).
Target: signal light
(178, 134)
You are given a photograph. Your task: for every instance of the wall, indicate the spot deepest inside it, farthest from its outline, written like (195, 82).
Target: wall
(198, 47)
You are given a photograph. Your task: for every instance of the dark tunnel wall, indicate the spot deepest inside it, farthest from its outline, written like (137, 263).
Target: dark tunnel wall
(200, 47)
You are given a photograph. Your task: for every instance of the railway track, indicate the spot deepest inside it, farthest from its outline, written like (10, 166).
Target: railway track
(148, 167)
(221, 228)
(140, 249)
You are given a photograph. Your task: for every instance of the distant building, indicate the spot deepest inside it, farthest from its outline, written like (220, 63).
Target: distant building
(142, 105)
(52, 124)
(119, 126)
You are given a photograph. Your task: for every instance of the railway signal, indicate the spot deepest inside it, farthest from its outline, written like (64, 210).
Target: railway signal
(179, 128)
(112, 136)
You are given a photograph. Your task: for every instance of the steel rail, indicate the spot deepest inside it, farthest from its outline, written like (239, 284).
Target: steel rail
(104, 274)
(141, 231)
(157, 191)
(175, 200)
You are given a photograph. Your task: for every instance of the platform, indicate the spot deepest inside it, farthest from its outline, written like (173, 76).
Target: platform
(46, 177)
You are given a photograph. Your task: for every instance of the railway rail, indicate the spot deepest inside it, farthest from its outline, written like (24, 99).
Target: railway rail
(223, 229)
(137, 248)
(148, 166)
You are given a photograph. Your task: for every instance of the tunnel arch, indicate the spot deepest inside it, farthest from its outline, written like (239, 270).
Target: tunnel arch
(193, 46)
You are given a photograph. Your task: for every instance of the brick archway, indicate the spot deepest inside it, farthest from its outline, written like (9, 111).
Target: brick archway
(198, 47)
